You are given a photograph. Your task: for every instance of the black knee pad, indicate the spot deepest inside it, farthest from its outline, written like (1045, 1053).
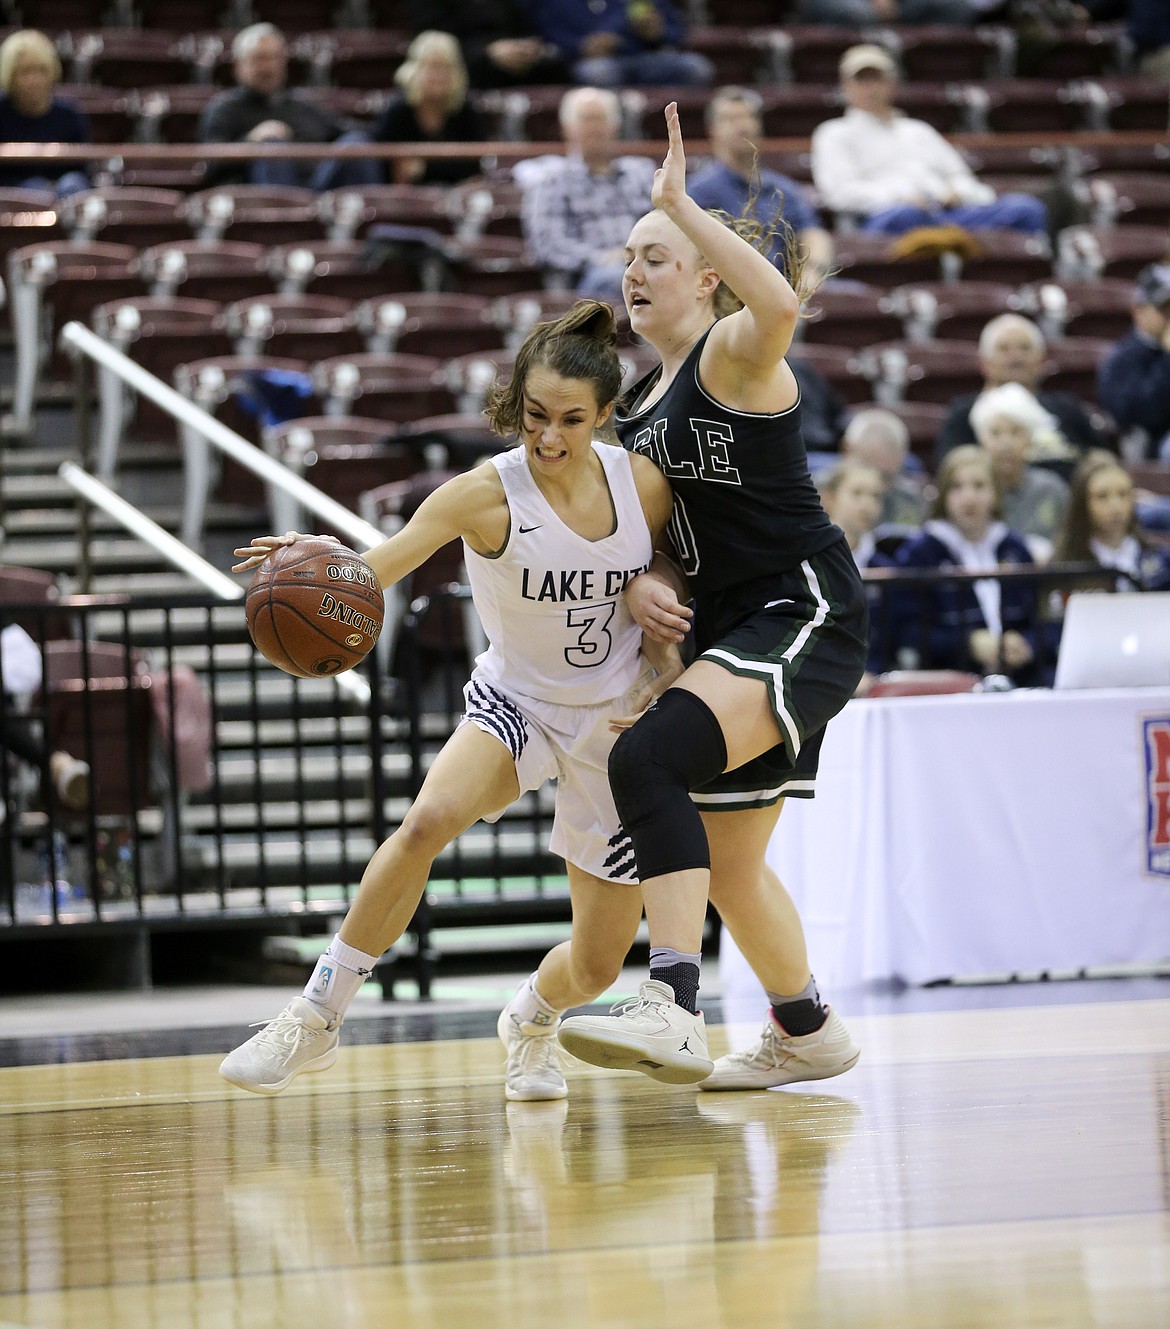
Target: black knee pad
(675, 747)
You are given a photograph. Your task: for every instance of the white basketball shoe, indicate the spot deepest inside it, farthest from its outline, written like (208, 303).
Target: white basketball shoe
(532, 1073)
(299, 1039)
(650, 1033)
(782, 1058)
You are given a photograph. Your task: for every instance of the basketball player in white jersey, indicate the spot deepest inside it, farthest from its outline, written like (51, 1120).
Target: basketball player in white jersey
(552, 531)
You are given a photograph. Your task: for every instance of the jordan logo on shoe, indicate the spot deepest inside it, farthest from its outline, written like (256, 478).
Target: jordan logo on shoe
(684, 1046)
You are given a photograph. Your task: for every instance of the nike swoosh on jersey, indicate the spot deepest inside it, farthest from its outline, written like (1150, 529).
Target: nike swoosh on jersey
(526, 530)
(772, 603)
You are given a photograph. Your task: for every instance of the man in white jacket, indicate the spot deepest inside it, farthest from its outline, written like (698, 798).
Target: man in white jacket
(895, 173)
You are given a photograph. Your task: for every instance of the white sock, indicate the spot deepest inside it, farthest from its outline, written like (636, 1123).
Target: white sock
(338, 978)
(528, 1005)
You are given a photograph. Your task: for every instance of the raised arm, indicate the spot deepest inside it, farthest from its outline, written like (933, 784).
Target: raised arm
(755, 338)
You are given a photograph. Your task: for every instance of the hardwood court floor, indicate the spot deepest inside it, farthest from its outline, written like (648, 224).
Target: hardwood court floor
(979, 1168)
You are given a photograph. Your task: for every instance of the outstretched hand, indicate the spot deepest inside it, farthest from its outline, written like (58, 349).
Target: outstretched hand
(670, 180)
(264, 545)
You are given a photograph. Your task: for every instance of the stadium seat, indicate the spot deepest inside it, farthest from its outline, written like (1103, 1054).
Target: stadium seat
(266, 214)
(453, 441)
(1087, 252)
(350, 211)
(1019, 106)
(383, 386)
(27, 216)
(343, 456)
(121, 215)
(129, 58)
(222, 270)
(440, 323)
(1072, 366)
(170, 114)
(213, 383)
(948, 54)
(942, 105)
(1009, 256)
(456, 627)
(838, 365)
(1130, 198)
(933, 371)
(159, 333)
(469, 377)
(951, 311)
(862, 256)
(363, 58)
(344, 269)
(97, 705)
(850, 316)
(1126, 103)
(810, 53)
(795, 110)
(518, 312)
(108, 110)
(739, 53)
(1102, 308)
(34, 586)
(298, 327)
(491, 265)
(48, 285)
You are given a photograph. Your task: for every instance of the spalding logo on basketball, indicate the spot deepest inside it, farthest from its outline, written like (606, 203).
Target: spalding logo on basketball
(314, 608)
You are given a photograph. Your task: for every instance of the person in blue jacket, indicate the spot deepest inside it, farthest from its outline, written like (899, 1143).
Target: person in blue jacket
(1133, 380)
(986, 626)
(613, 43)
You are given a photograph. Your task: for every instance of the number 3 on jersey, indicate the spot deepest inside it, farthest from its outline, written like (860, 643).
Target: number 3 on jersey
(593, 640)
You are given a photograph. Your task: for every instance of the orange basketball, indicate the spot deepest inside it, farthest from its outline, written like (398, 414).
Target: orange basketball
(314, 608)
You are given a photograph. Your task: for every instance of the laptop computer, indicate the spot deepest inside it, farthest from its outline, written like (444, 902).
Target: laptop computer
(1115, 641)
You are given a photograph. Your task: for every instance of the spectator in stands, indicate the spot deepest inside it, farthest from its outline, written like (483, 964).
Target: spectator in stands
(985, 626)
(262, 109)
(579, 209)
(1102, 527)
(431, 108)
(63, 776)
(1133, 381)
(734, 181)
(1009, 423)
(1012, 350)
(30, 69)
(897, 173)
(501, 47)
(870, 13)
(877, 437)
(613, 43)
(852, 494)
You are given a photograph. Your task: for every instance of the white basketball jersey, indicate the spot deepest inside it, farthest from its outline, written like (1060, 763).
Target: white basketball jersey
(551, 602)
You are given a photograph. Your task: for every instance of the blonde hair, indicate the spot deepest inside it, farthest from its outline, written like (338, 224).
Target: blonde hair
(829, 482)
(426, 44)
(966, 454)
(26, 42)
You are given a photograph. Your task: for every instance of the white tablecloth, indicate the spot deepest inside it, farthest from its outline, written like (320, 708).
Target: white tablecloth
(981, 834)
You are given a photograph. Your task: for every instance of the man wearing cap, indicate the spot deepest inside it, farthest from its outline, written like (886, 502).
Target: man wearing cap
(896, 173)
(1133, 380)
